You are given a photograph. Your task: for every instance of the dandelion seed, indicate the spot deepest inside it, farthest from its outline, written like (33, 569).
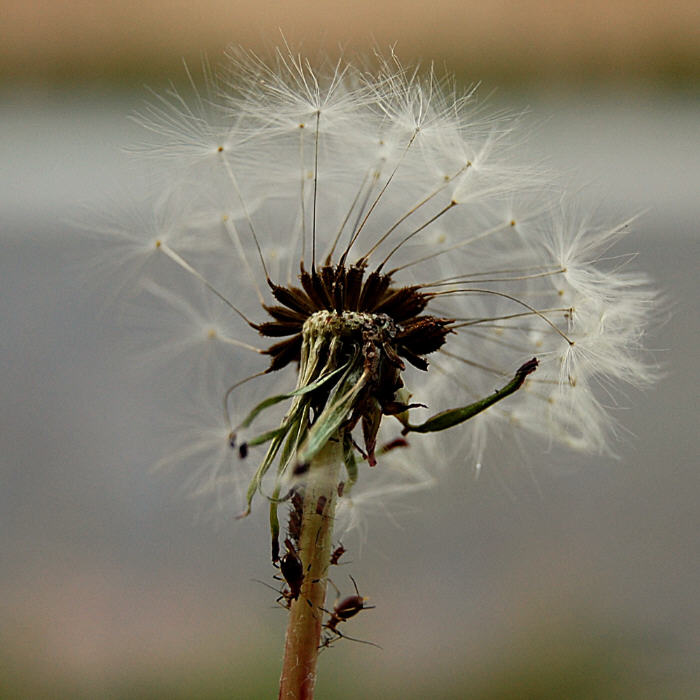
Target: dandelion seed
(371, 237)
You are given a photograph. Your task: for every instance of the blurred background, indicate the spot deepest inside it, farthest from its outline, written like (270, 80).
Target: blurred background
(568, 579)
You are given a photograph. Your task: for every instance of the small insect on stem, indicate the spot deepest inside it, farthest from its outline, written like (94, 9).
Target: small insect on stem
(293, 574)
(321, 504)
(397, 443)
(296, 514)
(284, 593)
(343, 611)
(337, 553)
(293, 570)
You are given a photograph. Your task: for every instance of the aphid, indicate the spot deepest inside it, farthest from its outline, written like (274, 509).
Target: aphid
(293, 571)
(293, 526)
(320, 505)
(296, 512)
(343, 611)
(284, 593)
(293, 574)
(337, 553)
(393, 445)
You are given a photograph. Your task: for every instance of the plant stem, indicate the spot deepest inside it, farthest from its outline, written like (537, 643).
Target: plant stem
(315, 540)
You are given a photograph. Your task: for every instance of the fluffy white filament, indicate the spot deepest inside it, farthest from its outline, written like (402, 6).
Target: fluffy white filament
(280, 163)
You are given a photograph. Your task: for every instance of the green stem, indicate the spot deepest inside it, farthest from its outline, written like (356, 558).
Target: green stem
(298, 677)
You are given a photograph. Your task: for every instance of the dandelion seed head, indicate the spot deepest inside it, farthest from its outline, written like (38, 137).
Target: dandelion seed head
(368, 240)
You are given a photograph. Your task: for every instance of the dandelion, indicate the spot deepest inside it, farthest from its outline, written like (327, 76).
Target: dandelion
(360, 264)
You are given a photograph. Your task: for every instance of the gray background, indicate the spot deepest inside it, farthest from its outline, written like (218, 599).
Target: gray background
(567, 581)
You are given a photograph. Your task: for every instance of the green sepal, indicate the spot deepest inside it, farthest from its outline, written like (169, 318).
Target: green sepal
(265, 465)
(294, 423)
(265, 437)
(272, 400)
(455, 416)
(340, 402)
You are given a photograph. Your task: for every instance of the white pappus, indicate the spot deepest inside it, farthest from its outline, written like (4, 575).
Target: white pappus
(280, 191)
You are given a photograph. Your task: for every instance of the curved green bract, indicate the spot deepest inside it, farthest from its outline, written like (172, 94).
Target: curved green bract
(272, 400)
(455, 416)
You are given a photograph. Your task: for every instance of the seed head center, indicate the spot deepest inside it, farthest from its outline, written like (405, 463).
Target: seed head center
(348, 324)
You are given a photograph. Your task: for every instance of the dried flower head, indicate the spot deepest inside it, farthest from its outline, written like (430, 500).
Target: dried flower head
(371, 236)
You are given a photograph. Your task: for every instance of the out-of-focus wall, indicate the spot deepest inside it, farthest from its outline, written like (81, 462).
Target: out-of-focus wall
(538, 38)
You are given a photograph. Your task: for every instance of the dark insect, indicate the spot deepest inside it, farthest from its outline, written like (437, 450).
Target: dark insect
(337, 553)
(296, 512)
(343, 611)
(393, 445)
(320, 505)
(293, 572)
